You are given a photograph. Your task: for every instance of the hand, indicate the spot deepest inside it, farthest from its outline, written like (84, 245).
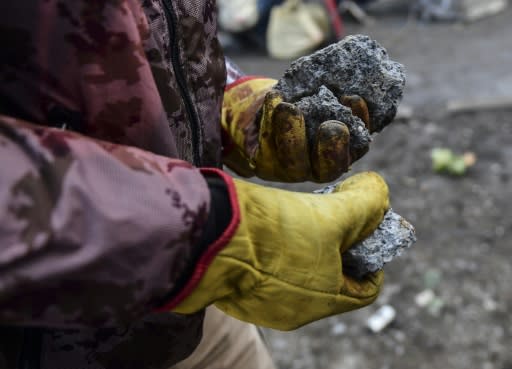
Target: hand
(282, 268)
(269, 139)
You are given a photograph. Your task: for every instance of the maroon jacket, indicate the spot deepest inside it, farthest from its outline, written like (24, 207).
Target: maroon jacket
(96, 235)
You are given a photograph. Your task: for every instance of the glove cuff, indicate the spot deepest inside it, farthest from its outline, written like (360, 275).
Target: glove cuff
(243, 100)
(223, 221)
(245, 79)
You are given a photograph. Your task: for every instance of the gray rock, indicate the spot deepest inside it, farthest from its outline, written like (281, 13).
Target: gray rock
(393, 235)
(389, 240)
(356, 65)
(324, 106)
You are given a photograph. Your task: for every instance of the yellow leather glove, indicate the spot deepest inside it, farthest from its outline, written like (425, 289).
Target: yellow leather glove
(266, 137)
(283, 266)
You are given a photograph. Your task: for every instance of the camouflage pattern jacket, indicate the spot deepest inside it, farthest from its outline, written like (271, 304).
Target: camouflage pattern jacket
(84, 259)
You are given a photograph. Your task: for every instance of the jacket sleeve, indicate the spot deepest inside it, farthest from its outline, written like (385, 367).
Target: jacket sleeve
(84, 65)
(92, 233)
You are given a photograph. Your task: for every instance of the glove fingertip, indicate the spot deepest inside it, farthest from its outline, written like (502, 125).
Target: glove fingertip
(330, 155)
(359, 108)
(366, 289)
(274, 94)
(289, 135)
(371, 186)
(283, 111)
(272, 99)
(365, 180)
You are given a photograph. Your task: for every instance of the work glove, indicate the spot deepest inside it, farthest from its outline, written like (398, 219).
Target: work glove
(266, 137)
(282, 266)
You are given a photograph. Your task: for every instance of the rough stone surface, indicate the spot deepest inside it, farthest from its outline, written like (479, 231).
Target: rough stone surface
(324, 106)
(356, 65)
(393, 235)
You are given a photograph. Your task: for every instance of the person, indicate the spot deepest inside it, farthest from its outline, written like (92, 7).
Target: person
(118, 227)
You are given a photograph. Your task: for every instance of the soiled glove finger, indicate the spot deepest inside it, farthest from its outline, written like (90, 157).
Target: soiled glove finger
(269, 137)
(243, 111)
(362, 288)
(283, 149)
(330, 155)
(289, 133)
(359, 108)
(288, 153)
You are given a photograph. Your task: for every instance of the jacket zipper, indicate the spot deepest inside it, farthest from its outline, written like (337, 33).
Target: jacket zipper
(180, 78)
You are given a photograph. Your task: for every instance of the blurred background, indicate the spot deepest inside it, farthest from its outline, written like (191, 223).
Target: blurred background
(448, 161)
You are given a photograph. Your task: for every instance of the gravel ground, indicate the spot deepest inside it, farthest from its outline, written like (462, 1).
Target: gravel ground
(464, 224)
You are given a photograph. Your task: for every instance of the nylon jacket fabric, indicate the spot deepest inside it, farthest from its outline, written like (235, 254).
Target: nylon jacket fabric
(84, 260)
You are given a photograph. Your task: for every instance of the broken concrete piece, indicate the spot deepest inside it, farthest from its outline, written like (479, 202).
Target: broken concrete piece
(356, 65)
(424, 298)
(393, 235)
(324, 106)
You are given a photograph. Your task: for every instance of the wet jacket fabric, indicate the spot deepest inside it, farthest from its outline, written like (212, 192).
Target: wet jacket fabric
(84, 261)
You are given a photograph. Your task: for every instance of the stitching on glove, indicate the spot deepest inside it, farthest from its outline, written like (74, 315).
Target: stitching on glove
(269, 276)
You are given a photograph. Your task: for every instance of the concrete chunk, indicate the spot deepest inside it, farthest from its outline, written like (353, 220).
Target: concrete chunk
(389, 240)
(324, 106)
(393, 235)
(356, 65)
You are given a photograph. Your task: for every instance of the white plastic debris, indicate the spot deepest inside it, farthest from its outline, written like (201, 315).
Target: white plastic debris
(384, 316)
(424, 298)
(428, 300)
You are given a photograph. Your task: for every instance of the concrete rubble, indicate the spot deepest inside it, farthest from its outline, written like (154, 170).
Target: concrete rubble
(389, 240)
(356, 65)
(324, 106)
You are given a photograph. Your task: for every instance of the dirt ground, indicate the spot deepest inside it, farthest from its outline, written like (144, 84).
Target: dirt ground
(464, 224)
